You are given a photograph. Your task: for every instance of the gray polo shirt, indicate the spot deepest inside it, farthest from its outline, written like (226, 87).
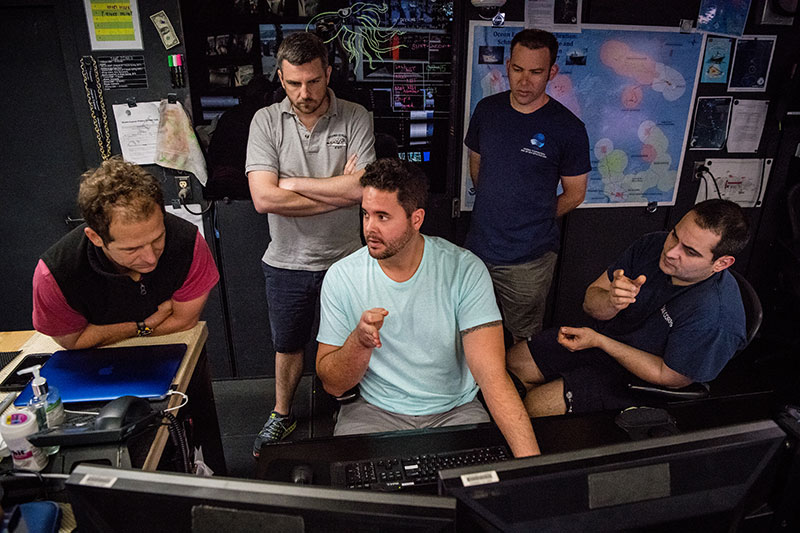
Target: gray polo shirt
(280, 143)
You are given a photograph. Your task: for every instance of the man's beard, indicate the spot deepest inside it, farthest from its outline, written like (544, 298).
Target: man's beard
(391, 248)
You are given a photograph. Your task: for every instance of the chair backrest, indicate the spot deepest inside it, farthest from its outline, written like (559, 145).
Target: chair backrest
(697, 391)
(752, 306)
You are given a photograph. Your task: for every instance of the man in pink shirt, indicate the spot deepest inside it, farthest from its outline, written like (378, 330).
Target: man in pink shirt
(130, 270)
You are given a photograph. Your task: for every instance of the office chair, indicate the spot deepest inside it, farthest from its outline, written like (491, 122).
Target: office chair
(790, 265)
(696, 391)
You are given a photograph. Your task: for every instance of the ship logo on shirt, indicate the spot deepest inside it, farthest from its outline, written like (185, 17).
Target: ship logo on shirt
(538, 140)
(337, 140)
(665, 314)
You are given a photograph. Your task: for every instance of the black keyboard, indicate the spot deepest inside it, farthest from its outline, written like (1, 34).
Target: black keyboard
(397, 473)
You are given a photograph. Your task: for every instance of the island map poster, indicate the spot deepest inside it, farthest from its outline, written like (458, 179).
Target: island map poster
(633, 88)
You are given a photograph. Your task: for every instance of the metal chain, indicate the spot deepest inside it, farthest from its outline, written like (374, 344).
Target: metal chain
(105, 147)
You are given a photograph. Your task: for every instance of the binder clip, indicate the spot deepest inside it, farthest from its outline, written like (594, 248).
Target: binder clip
(172, 98)
(131, 101)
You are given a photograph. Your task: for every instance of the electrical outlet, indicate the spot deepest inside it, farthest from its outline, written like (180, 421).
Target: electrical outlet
(184, 188)
(697, 171)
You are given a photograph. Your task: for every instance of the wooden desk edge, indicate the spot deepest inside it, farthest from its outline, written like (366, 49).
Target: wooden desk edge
(195, 339)
(182, 378)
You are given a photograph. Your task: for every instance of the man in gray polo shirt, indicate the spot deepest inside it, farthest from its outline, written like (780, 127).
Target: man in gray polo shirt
(305, 156)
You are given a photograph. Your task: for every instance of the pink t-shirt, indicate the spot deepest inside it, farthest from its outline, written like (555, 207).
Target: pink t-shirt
(53, 316)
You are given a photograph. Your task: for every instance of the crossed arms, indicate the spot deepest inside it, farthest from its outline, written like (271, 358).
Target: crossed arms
(341, 367)
(305, 196)
(170, 317)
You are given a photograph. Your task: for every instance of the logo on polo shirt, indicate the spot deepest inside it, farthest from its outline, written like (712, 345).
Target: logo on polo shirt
(538, 140)
(666, 316)
(337, 140)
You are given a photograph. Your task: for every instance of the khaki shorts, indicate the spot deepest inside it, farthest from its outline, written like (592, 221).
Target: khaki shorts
(521, 292)
(359, 417)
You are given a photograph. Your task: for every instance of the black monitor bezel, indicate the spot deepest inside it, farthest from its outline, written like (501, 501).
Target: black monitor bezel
(619, 457)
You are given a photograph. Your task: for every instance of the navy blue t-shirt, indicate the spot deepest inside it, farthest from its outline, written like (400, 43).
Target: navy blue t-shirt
(523, 157)
(696, 329)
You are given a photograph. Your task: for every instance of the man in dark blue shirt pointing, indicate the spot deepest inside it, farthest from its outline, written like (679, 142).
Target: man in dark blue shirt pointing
(666, 312)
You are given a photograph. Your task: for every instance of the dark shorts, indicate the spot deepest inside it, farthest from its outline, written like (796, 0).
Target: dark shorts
(593, 380)
(293, 300)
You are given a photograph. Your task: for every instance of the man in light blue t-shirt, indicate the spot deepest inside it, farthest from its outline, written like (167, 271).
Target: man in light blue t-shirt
(411, 319)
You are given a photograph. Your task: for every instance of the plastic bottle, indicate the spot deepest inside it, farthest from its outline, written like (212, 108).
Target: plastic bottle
(15, 426)
(46, 403)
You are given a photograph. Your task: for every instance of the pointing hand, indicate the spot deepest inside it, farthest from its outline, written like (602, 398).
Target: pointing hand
(367, 329)
(624, 290)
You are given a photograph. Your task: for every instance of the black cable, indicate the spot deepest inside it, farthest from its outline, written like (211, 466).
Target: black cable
(705, 186)
(14, 472)
(714, 181)
(179, 440)
(760, 182)
(182, 196)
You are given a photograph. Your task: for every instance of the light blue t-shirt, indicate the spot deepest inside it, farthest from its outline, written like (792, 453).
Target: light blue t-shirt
(420, 369)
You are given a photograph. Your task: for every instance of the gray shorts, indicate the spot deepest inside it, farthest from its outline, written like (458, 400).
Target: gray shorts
(521, 292)
(360, 417)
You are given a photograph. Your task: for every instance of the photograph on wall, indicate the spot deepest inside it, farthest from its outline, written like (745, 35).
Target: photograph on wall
(723, 17)
(717, 60)
(491, 55)
(711, 120)
(113, 25)
(752, 60)
(242, 75)
(638, 125)
(234, 44)
(293, 8)
(219, 78)
(270, 36)
(436, 14)
(554, 15)
(240, 44)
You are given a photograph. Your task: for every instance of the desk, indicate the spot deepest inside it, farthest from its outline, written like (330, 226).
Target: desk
(555, 434)
(192, 378)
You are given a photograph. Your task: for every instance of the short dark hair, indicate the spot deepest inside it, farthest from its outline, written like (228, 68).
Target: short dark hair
(726, 219)
(301, 48)
(407, 179)
(535, 39)
(117, 184)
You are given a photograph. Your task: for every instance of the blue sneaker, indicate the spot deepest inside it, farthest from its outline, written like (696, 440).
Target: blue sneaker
(277, 428)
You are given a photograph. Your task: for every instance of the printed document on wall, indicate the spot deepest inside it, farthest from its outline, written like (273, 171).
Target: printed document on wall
(739, 180)
(137, 128)
(747, 124)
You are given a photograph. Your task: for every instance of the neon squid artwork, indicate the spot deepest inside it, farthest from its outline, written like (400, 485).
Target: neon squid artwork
(370, 41)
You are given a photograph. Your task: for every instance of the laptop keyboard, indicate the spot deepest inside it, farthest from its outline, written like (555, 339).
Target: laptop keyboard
(7, 357)
(397, 473)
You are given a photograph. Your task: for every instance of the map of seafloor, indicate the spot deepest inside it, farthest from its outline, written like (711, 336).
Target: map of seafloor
(634, 91)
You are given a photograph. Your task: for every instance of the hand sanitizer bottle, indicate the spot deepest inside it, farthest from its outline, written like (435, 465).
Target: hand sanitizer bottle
(46, 403)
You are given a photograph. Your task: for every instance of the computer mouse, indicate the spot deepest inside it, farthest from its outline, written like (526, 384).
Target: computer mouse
(121, 412)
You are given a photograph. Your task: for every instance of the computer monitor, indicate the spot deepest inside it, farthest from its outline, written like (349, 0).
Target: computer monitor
(108, 499)
(708, 479)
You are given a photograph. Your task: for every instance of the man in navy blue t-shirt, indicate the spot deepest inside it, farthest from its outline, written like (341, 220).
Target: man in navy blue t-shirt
(522, 143)
(666, 312)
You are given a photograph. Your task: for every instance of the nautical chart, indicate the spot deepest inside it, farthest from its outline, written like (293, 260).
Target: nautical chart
(634, 90)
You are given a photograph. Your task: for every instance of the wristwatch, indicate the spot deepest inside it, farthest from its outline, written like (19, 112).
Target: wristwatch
(143, 330)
